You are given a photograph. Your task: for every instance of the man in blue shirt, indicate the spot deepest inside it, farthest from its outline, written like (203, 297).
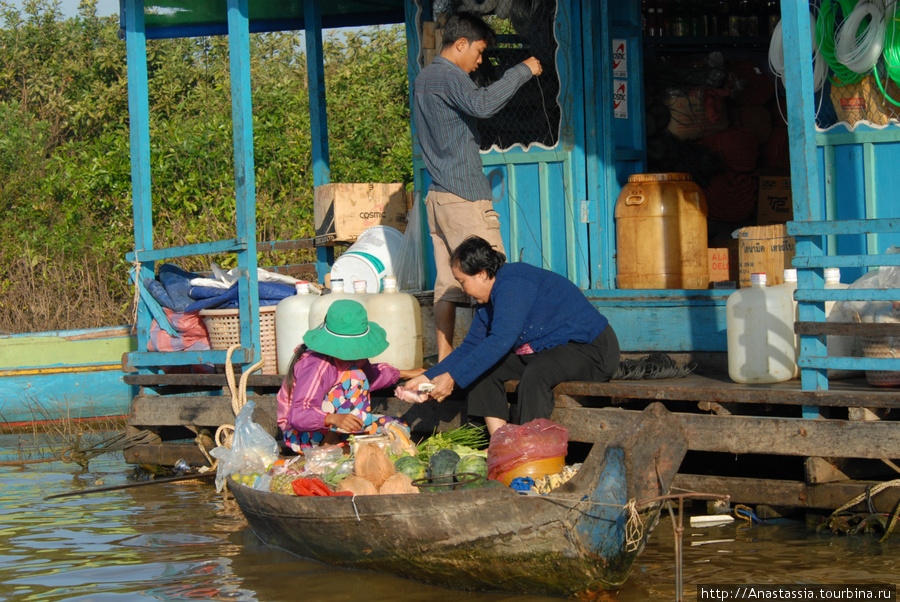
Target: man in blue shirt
(448, 105)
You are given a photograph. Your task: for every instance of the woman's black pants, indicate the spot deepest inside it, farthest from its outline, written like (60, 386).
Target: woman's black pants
(538, 373)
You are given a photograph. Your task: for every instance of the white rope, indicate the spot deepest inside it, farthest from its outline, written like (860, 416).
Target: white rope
(634, 527)
(776, 55)
(859, 52)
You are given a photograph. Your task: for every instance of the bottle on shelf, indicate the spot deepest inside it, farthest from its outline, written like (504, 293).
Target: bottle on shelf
(773, 15)
(787, 287)
(724, 17)
(750, 19)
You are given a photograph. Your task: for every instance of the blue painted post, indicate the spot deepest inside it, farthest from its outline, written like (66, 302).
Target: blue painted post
(413, 47)
(244, 176)
(798, 82)
(605, 219)
(318, 114)
(139, 116)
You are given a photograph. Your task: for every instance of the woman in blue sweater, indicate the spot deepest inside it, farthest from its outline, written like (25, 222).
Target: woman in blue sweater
(530, 325)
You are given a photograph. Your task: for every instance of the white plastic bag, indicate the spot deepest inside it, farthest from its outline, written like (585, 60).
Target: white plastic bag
(252, 451)
(410, 270)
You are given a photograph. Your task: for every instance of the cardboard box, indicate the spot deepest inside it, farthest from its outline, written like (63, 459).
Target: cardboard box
(775, 202)
(764, 249)
(344, 211)
(723, 264)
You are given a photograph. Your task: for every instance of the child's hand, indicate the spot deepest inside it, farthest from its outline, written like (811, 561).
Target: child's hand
(345, 422)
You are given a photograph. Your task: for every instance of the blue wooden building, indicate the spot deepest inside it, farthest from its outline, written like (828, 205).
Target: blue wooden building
(556, 168)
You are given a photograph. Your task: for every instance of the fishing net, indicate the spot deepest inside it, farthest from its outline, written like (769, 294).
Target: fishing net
(524, 28)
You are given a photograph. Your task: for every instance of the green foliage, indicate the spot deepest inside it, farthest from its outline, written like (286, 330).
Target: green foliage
(65, 171)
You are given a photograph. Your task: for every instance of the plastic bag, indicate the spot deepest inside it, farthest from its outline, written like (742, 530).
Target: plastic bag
(513, 445)
(252, 451)
(885, 277)
(410, 270)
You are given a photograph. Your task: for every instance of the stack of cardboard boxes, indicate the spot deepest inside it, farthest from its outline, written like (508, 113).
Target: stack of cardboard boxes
(765, 247)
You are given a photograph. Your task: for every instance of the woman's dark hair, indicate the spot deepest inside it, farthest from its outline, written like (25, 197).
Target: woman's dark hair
(469, 27)
(289, 377)
(474, 255)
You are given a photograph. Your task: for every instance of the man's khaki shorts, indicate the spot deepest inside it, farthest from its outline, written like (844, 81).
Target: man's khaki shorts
(451, 220)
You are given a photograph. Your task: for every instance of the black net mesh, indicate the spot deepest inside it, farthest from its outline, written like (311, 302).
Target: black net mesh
(524, 28)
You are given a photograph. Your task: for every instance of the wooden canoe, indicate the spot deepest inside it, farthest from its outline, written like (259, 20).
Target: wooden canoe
(71, 375)
(579, 538)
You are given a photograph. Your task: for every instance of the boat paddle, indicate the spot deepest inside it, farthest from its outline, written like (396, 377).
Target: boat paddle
(187, 477)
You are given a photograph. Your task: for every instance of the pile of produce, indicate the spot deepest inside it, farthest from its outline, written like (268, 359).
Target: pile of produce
(456, 459)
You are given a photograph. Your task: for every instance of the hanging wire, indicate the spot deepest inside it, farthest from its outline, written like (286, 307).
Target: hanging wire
(891, 52)
(859, 40)
(825, 40)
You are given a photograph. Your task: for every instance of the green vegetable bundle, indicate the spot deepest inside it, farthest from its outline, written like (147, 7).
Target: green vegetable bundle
(465, 440)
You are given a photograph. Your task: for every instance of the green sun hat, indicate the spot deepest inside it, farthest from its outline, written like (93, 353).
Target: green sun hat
(347, 333)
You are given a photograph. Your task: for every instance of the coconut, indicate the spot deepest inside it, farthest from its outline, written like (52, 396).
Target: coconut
(398, 483)
(357, 486)
(373, 464)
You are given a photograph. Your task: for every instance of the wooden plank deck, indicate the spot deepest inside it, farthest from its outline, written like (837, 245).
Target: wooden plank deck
(719, 417)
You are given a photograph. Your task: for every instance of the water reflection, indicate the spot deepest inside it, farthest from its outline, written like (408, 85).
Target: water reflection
(182, 541)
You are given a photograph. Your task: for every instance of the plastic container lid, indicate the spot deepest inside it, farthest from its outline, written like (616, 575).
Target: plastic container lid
(832, 274)
(302, 287)
(758, 278)
(659, 177)
(790, 275)
(359, 286)
(389, 282)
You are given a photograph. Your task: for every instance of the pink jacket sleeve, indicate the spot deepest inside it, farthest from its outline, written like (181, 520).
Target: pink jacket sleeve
(380, 375)
(314, 376)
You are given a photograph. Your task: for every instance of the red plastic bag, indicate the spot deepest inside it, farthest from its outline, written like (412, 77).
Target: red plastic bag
(304, 486)
(513, 445)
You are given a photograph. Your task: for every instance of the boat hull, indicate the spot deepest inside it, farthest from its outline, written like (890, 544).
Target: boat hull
(64, 375)
(574, 540)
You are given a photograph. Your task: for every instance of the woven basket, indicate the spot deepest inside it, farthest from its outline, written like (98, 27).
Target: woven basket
(881, 347)
(224, 326)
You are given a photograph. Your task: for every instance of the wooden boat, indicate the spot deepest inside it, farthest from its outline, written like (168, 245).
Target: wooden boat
(579, 538)
(64, 375)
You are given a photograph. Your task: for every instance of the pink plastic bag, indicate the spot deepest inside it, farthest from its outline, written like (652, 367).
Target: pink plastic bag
(513, 445)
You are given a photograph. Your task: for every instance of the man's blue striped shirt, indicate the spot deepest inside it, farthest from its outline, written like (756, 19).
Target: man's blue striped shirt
(448, 105)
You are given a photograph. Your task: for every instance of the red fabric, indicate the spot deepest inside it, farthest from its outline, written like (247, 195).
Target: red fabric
(755, 86)
(731, 196)
(303, 486)
(776, 151)
(757, 119)
(739, 148)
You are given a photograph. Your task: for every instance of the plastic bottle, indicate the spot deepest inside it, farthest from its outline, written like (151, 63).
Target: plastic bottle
(400, 316)
(320, 306)
(291, 323)
(760, 334)
(787, 288)
(359, 292)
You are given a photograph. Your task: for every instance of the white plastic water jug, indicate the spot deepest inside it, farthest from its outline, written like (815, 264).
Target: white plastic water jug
(291, 323)
(370, 258)
(400, 316)
(760, 334)
(320, 306)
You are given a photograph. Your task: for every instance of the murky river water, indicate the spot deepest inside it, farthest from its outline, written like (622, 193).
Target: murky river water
(185, 542)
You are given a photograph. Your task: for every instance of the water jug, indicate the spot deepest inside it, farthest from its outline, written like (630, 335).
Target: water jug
(320, 306)
(400, 316)
(661, 233)
(291, 323)
(760, 334)
(370, 258)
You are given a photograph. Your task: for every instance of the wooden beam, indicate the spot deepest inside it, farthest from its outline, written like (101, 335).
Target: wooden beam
(795, 494)
(749, 434)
